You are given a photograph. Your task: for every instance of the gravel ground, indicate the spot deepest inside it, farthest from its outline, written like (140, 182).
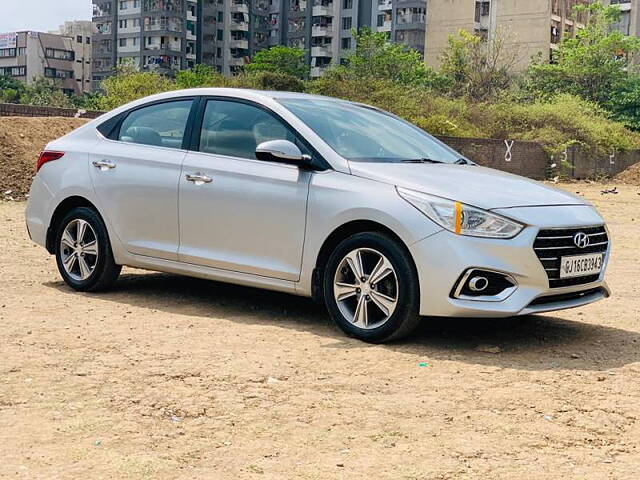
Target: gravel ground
(175, 378)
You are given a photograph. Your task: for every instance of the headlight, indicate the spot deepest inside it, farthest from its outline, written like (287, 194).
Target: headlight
(460, 218)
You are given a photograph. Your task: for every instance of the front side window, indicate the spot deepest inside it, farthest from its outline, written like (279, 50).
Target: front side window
(160, 125)
(361, 133)
(235, 129)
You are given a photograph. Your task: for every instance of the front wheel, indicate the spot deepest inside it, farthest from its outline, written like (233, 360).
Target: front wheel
(371, 289)
(83, 252)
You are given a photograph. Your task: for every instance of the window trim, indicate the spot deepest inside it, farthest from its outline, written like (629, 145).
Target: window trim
(110, 128)
(319, 163)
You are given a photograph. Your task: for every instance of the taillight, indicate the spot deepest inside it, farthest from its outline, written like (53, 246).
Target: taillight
(48, 156)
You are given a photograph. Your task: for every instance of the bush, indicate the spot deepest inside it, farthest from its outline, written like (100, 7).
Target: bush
(267, 81)
(129, 85)
(558, 123)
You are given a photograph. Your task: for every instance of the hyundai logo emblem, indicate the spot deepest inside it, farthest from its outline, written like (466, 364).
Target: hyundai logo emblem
(581, 240)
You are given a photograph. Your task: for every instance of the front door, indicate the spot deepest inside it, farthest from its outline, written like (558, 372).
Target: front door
(136, 177)
(236, 212)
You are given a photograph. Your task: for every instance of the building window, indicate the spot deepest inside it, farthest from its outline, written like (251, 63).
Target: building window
(346, 43)
(346, 23)
(13, 71)
(123, 23)
(137, 22)
(123, 42)
(8, 52)
(220, 35)
(55, 73)
(220, 16)
(59, 54)
(380, 20)
(347, 4)
(136, 41)
(123, 5)
(79, 39)
(136, 3)
(22, 51)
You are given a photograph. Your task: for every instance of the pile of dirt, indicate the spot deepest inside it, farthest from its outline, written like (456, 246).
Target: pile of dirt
(630, 175)
(21, 140)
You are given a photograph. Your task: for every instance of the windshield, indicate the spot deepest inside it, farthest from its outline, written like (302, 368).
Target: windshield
(364, 134)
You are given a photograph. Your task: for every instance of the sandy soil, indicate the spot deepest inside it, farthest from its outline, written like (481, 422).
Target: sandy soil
(173, 378)
(21, 141)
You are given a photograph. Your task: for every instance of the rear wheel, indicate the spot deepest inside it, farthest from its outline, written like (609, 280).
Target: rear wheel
(371, 288)
(83, 252)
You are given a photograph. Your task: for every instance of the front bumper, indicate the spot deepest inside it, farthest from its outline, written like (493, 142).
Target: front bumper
(442, 258)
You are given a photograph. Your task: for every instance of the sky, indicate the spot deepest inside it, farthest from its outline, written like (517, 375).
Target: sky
(41, 15)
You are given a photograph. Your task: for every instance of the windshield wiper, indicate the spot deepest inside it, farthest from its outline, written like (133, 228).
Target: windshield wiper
(421, 160)
(462, 161)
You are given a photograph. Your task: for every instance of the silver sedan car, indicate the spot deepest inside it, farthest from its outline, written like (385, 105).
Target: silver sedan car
(312, 196)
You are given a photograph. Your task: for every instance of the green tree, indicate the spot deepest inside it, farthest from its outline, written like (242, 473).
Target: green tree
(10, 89)
(594, 65)
(376, 58)
(129, 84)
(280, 59)
(44, 92)
(479, 69)
(199, 76)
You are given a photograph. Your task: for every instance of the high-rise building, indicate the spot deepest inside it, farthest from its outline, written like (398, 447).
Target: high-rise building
(27, 56)
(81, 31)
(169, 35)
(629, 22)
(531, 27)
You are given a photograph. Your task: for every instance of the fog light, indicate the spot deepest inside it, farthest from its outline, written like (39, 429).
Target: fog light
(484, 285)
(478, 284)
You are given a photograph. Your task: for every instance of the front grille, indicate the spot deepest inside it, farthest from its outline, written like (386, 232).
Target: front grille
(551, 245)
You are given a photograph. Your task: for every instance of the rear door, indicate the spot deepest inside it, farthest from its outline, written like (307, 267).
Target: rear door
(136, 173)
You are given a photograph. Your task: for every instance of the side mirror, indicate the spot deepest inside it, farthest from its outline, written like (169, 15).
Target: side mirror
(282, 151)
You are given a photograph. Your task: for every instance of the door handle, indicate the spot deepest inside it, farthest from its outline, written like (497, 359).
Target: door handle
(198, 178)
(104, 165)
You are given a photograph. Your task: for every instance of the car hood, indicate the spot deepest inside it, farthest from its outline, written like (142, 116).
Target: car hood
(471, 184)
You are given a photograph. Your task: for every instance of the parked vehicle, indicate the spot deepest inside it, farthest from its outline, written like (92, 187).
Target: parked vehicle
(313, 196)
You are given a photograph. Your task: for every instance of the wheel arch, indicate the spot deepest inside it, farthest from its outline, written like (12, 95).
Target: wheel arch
(61, 210)
(341, 233)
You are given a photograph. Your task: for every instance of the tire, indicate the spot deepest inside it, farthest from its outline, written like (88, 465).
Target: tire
(382, 320)
(97, 257)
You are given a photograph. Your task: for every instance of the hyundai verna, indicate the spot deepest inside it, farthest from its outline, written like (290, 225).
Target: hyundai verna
(313, 196)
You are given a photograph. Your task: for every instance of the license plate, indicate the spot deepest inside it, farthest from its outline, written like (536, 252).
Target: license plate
(581, 265)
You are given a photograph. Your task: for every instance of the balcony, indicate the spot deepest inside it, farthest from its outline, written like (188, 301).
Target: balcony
(241, 26)
(242, 43)
(239, 6)
(237, 61)
(321, 51)
(321, 30)
(191, 36)
(385, 27)
(322, 8)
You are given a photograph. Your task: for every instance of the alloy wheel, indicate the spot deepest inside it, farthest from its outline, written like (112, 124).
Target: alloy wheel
(365, 288)
(79, 249)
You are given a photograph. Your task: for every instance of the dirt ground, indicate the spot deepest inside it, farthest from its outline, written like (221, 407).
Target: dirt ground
(174, 378)
(21, 141)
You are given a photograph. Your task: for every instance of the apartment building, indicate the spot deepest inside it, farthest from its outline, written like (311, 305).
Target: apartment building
(28, 55)
(531, 27)
(629, 22)
(169, 35)
(81, 31)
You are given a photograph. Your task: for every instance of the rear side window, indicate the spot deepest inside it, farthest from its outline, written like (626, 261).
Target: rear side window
(235, 129)
(160, 125)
